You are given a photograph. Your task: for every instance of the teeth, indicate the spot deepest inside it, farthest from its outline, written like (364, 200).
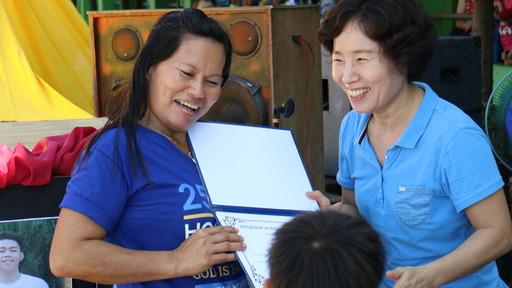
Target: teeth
(357, 93)
(188, 105)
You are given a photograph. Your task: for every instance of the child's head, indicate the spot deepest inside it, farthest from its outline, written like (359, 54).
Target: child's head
(325, 249)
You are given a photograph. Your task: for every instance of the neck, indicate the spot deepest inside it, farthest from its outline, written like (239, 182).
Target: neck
(177, 139)
(398, 117)
(9, 277)
(173, 136)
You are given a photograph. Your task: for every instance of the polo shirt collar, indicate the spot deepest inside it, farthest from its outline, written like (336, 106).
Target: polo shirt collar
(419, 122)
(362, 136)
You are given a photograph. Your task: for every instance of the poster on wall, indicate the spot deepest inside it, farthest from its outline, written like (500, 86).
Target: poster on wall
(24, 253)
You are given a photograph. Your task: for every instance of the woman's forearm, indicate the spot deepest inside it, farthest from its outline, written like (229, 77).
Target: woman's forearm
(492, 238)
(79, 251)
(484, 246)
(101, 262)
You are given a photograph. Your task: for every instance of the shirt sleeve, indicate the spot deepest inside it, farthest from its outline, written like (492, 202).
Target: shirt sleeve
(98, 189)
(470, 170)
(346, 143)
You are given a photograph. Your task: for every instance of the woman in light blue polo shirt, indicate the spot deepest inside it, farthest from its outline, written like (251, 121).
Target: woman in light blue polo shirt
(414, 166)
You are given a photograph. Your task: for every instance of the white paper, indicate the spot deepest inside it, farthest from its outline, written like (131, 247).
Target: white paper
(251, 166)
(258, 231)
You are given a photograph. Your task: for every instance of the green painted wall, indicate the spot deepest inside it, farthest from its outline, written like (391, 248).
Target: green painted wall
(444, 26)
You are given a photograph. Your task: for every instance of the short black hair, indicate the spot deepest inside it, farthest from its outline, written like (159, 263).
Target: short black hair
(11, 235)
(402, 28)
(326, 249)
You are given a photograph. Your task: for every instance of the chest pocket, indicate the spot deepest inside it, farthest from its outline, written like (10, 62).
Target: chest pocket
(412, 204)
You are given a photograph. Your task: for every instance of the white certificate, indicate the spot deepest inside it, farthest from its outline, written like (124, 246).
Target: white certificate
(253, 175)
(258, 231)
(251, 166)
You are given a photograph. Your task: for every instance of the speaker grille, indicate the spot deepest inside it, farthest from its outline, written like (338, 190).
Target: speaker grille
(120, 92)
(240, 102)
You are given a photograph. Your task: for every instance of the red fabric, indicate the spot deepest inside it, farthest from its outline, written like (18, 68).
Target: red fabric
(506, 13)
(505, 31)
(54, 155)
(470, 5)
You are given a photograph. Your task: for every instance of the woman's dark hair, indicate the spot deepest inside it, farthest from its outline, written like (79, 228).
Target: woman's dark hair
(164, 40)
(402, 28)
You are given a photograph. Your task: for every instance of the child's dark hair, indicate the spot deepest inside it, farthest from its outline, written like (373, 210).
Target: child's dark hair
(326, 249)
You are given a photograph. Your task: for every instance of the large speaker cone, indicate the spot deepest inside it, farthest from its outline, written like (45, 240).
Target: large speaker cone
(245, 37)
(240, 102)
(126, 44)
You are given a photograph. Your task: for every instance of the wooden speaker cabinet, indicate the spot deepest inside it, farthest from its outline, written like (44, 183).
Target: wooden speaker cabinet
(267, 54)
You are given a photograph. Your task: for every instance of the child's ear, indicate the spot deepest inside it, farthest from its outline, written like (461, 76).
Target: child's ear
(266, 284)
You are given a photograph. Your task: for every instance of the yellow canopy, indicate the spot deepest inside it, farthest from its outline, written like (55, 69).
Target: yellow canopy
(45, 61)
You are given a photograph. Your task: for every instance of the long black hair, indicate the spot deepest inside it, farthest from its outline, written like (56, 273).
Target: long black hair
(163, 41)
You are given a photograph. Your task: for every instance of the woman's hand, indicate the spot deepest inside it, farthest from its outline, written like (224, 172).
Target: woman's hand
(411, 277)
(207, 247)
(323, 201)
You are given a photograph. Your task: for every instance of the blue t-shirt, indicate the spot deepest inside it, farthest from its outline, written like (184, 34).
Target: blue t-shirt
(441, 165)
(147, 216)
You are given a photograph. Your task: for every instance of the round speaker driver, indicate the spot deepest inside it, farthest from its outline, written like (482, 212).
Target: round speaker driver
(240, 102)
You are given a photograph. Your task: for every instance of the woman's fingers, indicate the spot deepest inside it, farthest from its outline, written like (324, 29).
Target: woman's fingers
(207, 247)
(320, 198)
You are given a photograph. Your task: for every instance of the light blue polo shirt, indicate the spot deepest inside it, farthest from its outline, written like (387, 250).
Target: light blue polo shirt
(441, 164)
